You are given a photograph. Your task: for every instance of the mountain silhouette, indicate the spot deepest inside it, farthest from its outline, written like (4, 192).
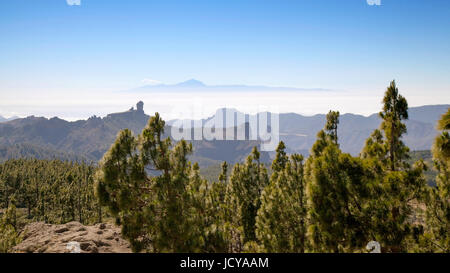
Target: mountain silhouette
(91, 138)
(197, 85)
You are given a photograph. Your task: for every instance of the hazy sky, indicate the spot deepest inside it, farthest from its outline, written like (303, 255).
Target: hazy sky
(70, 60)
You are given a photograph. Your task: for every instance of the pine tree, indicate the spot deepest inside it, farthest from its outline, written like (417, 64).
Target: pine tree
(200, 220)
(152, 190)
(224, 173)
(395, 109)
(214, 227)
(218, 228)
(438, 204)
(339, 189)
(399, 186)
(281, 158)
(332, 125)
(281, 219)
(338, 192)
(243, 197)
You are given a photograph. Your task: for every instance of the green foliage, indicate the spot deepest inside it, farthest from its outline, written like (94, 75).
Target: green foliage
(395, 109)
(9, 236)
(437, 236)
(398, 184)
(161, 201)
(217, 228)
(332, 125)
(339, 200)
(53, 191)
(329, 202)
(355, 200)
(224, 173)
(395, 197)
(427, 157)
(281, 220)
(246, 183)
(444, 122)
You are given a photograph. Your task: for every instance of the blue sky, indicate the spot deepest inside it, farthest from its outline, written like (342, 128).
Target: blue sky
(55, 50)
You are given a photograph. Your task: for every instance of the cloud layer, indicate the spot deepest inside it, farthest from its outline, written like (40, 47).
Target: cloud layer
(150, 82)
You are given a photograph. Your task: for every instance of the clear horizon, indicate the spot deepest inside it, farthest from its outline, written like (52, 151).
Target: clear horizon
(202, 112)
(202, 104)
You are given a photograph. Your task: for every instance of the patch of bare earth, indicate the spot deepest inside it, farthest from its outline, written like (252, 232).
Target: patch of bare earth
(46, 238)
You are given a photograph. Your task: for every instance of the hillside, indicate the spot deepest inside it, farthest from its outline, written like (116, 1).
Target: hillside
(299, 132)
(27, 150)
(89, 139)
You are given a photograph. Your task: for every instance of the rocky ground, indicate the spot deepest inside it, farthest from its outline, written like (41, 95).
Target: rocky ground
(72, 237)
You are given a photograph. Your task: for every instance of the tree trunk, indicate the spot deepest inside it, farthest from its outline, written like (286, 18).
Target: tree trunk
(99, 213)
(392, 148)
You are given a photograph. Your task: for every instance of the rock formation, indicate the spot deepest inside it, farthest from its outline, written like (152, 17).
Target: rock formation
(72, 237)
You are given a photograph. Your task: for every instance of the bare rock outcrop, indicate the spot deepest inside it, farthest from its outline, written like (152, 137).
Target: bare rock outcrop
(72, 237)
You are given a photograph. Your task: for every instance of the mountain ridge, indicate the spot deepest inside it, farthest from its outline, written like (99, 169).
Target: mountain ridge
(299, 131)
(92, 137)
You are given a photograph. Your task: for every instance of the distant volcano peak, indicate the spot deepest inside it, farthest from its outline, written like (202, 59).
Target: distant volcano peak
(191, 83)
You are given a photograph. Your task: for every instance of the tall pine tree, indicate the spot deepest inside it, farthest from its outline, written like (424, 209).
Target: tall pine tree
(281, 220)
(246, 183)
(151, 189)
(399, 186)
